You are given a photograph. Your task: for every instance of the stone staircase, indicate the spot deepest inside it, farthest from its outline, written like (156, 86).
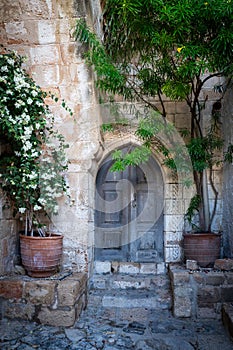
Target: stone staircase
(130, 291)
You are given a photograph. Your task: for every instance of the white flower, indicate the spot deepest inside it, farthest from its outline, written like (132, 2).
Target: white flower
(37, 126)
(4, 69)
(18, 154)
(33, 186)
(42, 201)
(25, 117)
(27, 146)
(9, 92)
(32, 176)
(39, 103)
(22, 210)
(29, 100)
(34, 93)
(10, 61)
(37, 207)
(19, 103)
(28, 131)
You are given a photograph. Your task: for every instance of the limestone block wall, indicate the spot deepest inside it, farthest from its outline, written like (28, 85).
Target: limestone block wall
(42, 31)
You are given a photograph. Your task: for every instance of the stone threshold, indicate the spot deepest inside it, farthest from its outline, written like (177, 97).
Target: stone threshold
(55, 301)
(129, 268)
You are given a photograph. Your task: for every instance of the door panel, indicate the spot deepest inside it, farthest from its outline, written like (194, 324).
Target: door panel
(129, 213)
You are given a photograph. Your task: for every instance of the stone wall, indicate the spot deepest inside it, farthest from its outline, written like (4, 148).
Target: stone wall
(200, 293)
(228, 178)
(43, 32)
(53, 302)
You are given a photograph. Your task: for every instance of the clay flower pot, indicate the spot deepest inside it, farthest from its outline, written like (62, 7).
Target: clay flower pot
(41, 256)
(202, 247)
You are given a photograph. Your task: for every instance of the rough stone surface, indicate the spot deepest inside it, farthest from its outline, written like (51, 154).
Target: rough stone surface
(97, 331)
(56, 301)
(191, 264)
(224, 264)
(102, 267)
(200, 293)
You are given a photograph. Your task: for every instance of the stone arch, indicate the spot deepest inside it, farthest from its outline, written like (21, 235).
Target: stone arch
(175, 198)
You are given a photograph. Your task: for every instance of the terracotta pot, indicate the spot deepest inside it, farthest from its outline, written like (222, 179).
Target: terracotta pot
(202, 247)
(41, 256)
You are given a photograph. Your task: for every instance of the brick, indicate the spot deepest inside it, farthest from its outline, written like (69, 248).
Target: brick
(229, 277)
(206, 312)
(11, 289)
(41, 292)
(102, 267)
(206, 296)
(161, 268)
(215, 279)
(182, 307)
(129, 268)
(179, 277)
(148, 268)
(227, 294)
(191, 265)
(224, 264)
(19, 310)
(48, 54)
(58, 317)
(199, 277)
(68, 292)
(81, 277)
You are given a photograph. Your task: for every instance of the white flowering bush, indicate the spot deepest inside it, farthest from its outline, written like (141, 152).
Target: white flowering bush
(32, 161)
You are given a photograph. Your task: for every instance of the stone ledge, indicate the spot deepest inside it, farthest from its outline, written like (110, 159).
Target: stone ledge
(56, 302)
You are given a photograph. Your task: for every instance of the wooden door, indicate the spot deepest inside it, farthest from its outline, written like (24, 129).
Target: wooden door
(129, 213)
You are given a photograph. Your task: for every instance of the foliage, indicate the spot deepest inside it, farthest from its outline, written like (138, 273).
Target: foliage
(32, 161)
(168, 49)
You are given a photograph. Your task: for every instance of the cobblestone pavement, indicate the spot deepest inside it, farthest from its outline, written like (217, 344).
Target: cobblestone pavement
(98, 330)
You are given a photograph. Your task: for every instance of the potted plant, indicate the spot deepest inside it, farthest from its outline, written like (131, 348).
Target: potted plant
(170, 50)
(32, 164)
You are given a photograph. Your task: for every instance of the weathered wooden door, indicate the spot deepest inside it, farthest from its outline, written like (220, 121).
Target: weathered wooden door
(129, 213)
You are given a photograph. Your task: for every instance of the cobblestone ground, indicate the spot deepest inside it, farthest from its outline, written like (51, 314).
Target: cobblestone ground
(98, 330)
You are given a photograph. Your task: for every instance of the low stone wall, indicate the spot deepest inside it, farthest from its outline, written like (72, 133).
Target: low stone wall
(55, 302)
(200, 293)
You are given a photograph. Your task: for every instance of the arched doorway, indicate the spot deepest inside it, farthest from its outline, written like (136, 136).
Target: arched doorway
(129, 213)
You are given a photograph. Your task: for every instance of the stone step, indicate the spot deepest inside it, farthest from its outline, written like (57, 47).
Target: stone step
(121, 281)
(128, 290)
(159, 299)
(227, 318)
